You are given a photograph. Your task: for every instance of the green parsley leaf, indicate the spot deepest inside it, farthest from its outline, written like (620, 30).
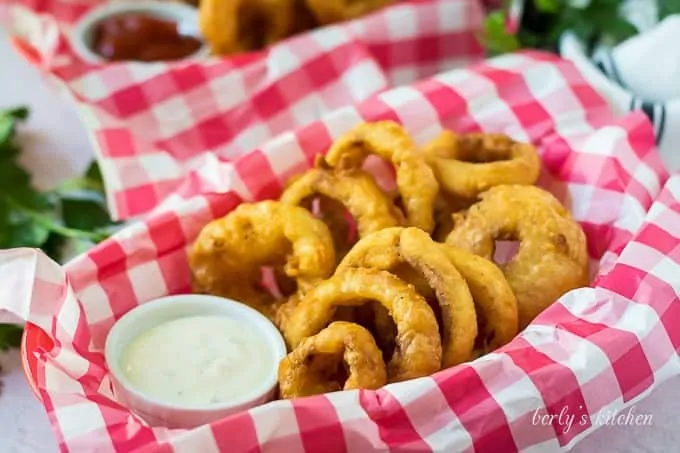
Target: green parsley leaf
(76, 212)
(10, 336)
(544, 21)
(548, 6)
(668, 8)
(495, 37)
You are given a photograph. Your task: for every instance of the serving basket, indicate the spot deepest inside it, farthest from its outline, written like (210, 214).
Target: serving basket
(182, 144)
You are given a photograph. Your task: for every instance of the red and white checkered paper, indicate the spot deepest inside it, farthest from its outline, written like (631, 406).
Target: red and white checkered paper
(153, 124)
(595, 351)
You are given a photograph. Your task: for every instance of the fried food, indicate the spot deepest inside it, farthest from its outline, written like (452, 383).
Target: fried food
(236, 26)
(317, 365)
(355, 189)
(331, 11)
(444, 208)
(416, 182)
(467, 165)
(552, 257)
(303, 18)
(228, 255)
(388, 249)
(334, 214)
(419, 291)
(418, 346)
(495, 303)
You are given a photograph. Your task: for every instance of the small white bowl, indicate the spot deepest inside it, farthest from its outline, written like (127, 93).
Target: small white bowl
(166, 309)
(185, 15)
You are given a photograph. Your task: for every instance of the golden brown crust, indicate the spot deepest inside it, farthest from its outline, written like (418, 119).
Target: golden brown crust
(418, 352)
(312, 367)
(392, 247)
(227, 256)
(355, 189)
(552, 257)
(332, 11)
(467, 165)
(495, 302)
(417, 184)
(445, 206)
(236, 26)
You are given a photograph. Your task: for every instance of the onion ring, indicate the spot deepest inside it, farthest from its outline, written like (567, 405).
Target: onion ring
(312, 367)
(304, 19)
(495, 302)
(416, 182)
(334, 215)
(227, 256)
(552, 257)
(418, 346)
(444, 208)
(355, 189)
(387, 249)
(236, 26)
(332, 11)
(467, 165)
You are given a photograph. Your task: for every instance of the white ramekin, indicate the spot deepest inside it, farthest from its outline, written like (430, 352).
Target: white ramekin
(185, 15)
(160, 311)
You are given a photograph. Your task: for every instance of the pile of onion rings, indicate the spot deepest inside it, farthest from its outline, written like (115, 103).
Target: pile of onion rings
(376, 287)
(237, 26)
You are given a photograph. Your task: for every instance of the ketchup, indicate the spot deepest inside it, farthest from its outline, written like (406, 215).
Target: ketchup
(140, 37)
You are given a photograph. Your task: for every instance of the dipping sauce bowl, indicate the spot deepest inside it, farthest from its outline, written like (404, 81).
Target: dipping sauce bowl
(184, 361)
(145, 31)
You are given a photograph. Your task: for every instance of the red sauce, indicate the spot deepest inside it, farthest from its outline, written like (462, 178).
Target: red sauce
(141, 37)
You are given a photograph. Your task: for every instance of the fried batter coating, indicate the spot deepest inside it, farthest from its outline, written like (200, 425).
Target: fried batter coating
(467, 165)
(552, 257)
(495, 302)
(388, 249)
(317, 364)
(418, 346)
(334, 214)
(236, 26)
(444, 208)
(303, 18)
(355, 189)
(332, 11)
(228, 254)
(416, 182)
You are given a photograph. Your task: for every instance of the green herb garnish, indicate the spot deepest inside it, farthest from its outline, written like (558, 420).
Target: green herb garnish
(74, 214)
(544, 21)
(10, 336)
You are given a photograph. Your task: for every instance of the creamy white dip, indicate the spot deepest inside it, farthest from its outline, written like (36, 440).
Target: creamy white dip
(199, 360)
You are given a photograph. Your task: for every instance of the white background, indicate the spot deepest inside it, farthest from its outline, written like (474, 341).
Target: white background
(56, 147)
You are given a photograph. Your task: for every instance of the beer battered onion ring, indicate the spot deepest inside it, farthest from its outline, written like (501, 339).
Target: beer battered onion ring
(444, 207)
(552, 257)
(495, 302)
(418, 346)
(467, 165)
(316, 365)
(387, 249)
(235, 26)
(228, 254)
(333, 214)
(355, 189)
(416, 182)
(331, 11)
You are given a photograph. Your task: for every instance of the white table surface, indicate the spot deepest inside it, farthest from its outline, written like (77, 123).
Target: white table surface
(56, 148)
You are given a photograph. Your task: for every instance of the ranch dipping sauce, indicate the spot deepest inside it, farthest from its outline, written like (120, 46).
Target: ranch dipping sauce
(199, 361)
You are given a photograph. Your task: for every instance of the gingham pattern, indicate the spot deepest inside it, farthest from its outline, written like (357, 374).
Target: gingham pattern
(595, 351)
(152, 124)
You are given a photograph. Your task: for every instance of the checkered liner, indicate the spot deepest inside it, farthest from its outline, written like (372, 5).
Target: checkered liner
(187, 136)
(595, 351)
(152, 124)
